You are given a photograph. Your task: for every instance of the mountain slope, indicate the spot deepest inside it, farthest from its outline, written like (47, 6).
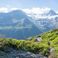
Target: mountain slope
(51, 39)
(19, 25)
(45, 21)
(22, 26)
(48, 44)
(50, 36)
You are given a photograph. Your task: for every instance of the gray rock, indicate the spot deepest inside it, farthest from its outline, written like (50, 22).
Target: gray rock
(19, 54)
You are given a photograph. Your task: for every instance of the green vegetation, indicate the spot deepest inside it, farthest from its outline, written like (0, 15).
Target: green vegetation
(52, 37)
(32, 45)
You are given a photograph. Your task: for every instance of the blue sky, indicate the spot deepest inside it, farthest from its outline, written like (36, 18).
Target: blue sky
(53, 4)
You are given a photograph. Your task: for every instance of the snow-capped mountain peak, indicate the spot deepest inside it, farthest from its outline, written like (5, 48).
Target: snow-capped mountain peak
(40, 13)
(51, 13)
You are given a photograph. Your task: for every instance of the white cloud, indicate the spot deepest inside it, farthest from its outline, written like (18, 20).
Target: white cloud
(14, 9)
(3, 9)
(36, 13)
(56, 11)
(30, 11)
(36, 10)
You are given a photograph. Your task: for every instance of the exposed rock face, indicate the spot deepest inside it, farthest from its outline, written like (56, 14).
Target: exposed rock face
(19, 54)
(38, 39)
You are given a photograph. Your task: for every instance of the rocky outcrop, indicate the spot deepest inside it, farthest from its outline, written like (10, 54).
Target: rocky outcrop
(18, 54)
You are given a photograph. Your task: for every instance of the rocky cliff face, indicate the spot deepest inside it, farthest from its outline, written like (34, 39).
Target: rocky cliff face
(11, 53)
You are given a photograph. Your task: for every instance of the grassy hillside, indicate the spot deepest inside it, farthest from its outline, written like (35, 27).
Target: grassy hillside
(49, 41)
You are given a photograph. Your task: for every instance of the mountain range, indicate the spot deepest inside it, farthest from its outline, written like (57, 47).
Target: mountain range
(17, 24)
